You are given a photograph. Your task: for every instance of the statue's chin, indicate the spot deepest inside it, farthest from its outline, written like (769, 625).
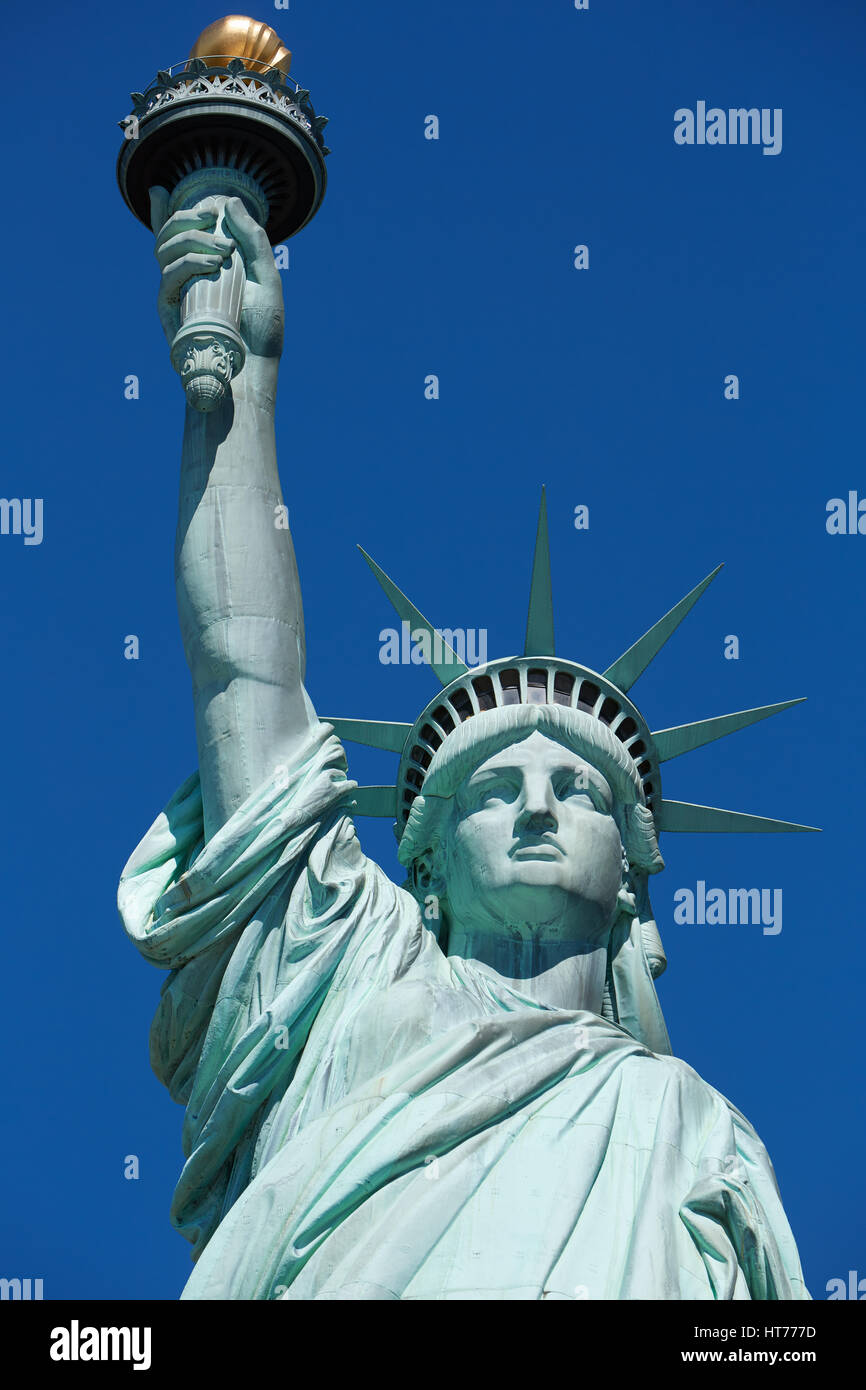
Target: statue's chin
(535, 901)
(540, 869)
(537, 883)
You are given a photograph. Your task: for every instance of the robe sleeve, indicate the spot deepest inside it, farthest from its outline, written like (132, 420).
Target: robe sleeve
(735, 1217)
(252, 927)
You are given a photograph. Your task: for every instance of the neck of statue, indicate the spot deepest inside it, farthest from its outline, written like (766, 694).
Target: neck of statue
(559, 974)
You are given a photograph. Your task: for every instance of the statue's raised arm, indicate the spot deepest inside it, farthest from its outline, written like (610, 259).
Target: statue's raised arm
(462, 1086)
(237, 582)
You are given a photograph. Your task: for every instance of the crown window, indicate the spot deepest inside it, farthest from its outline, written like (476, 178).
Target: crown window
(536, 687)
(443, 719)
(484, 692)
(510, 682)
(609, 710)
(588, 696)
(462, 704)
(563, 685)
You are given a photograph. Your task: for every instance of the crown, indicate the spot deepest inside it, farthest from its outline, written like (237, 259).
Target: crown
(539, 677)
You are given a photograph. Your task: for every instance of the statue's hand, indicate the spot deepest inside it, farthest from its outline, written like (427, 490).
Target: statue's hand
(188, 245)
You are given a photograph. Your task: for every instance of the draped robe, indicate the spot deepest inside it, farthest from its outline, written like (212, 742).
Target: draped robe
(367, 1118)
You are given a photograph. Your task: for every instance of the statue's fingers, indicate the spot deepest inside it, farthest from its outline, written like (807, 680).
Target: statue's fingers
(201, 218)
(175, 276)
(192, 243)
(250, 237)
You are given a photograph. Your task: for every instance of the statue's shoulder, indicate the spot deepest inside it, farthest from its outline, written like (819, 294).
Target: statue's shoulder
(681, 1085)
(665, 1072)
(644, 1070)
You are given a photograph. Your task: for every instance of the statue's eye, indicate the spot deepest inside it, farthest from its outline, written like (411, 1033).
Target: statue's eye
(497, 791)
(489, 792)
(574, 784)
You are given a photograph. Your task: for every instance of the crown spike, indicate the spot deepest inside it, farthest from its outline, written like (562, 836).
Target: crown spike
(683, 817)
(671, 743)
(374, 801)
(444, 660)
(626, 669)
(375, 733)
(539, 622)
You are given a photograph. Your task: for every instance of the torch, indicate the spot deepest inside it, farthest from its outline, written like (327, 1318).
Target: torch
(227, 122)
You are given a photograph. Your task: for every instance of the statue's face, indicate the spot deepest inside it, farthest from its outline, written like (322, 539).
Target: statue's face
(532, 840)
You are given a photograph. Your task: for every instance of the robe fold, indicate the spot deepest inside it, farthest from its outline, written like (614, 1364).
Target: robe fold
(367, 1118)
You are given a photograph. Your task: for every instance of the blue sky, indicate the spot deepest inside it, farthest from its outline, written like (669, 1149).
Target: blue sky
(452, 257)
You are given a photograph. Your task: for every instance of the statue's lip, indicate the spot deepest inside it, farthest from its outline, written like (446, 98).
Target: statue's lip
(544, 849)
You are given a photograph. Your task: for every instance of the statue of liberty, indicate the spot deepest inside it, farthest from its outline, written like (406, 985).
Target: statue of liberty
(458, 1088)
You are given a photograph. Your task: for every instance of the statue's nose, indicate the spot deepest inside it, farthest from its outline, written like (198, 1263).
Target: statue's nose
(538, 821)
(538, 809)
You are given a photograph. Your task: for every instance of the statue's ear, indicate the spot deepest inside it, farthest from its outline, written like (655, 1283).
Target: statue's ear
(426, 876)
(422, 874)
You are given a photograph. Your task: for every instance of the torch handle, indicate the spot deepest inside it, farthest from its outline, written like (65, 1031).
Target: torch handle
(208, 351)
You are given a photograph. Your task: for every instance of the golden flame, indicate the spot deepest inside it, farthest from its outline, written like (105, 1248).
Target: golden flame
(237, 36)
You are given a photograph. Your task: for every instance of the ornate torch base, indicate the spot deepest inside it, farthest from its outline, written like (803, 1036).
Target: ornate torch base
(222, 127)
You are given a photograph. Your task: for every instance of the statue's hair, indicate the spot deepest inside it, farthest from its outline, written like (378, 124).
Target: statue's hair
(479, 738)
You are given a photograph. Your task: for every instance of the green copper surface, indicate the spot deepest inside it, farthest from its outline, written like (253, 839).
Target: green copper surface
(626, 669)
(373, 732)
(446, 666)
(672, 743)
(458, 1088)
(683, 816)
(539, 622)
